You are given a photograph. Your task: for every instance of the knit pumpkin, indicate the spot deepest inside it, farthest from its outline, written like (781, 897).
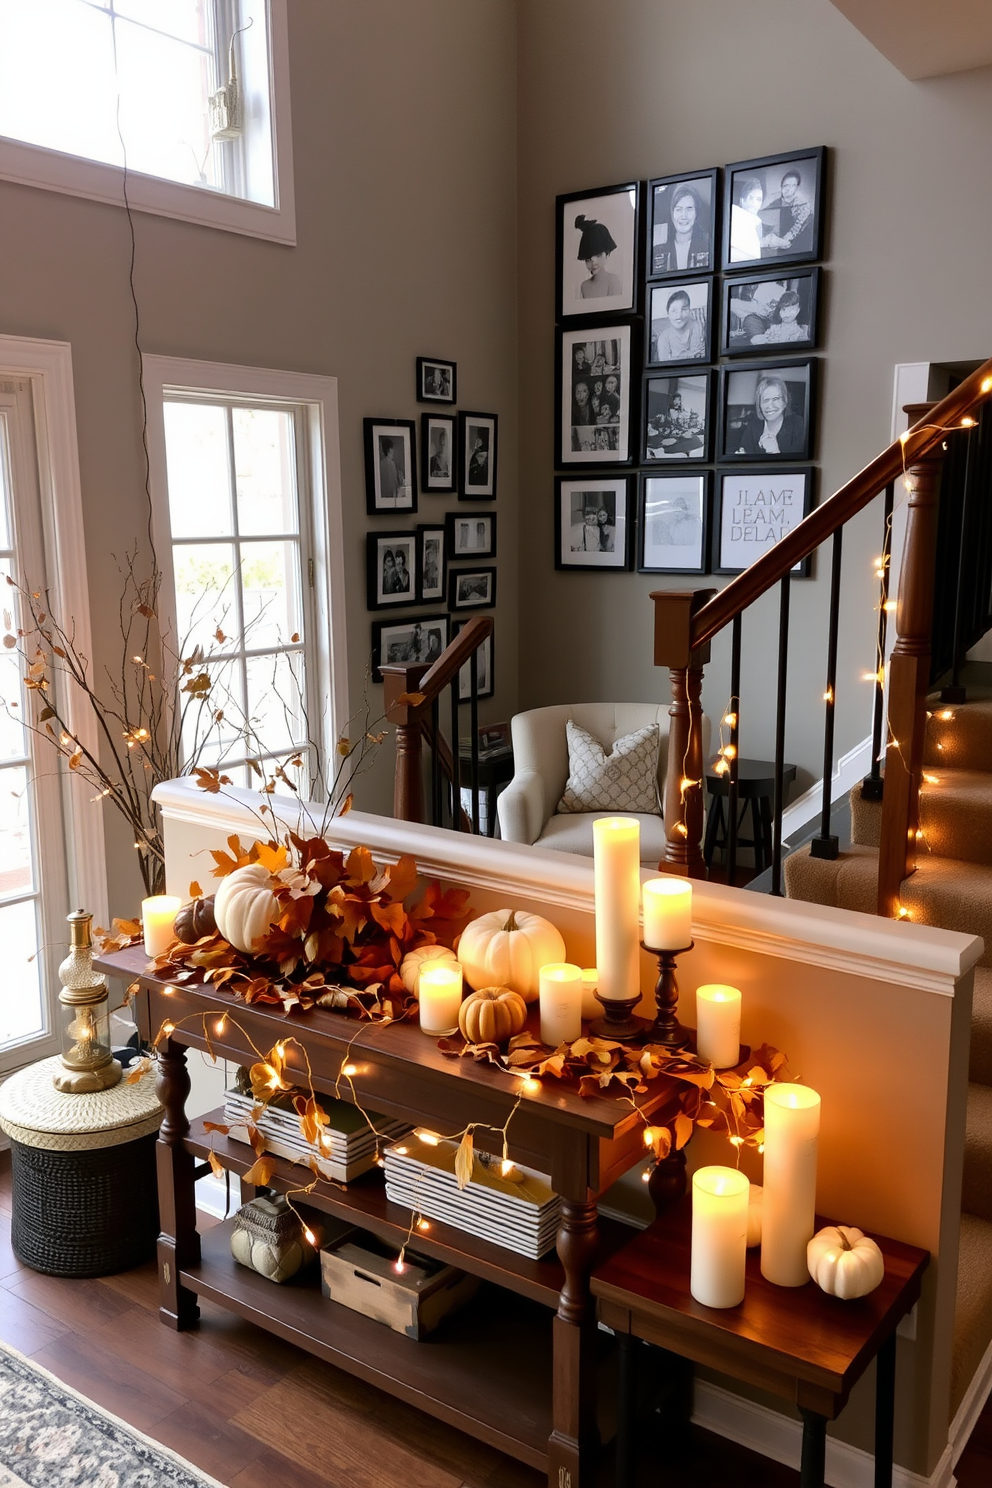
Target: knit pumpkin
(844, 1263)
(245, 906)
(195, 920)
(492, 1015)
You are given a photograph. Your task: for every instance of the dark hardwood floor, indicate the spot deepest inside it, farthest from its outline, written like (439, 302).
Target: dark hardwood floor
(255, 1412)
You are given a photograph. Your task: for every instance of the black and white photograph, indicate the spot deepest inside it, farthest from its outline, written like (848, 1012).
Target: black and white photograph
(593, 522)
(768, 312)
(436, 381)
(680, 320)
(432, 562)
(594, 396)
(437, 453)
(677, 417)
(390, 471)
(755, 510)
(673, 523)
(484, 680)
(392, 569)
(401, 641)
(471, 536)
(477, 441)
(682, 229)
(773, 209)
(471, 588)
(767, 411)
(597, 251)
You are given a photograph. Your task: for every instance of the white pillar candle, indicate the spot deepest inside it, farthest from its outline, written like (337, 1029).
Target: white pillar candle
(617, 857)
(718, 1024)
(754, 1215)
(157, 916)
(719, 1236)
(667, 913)
(792, 1126)
(561, 1003)
(439, 990)
(591, 1005)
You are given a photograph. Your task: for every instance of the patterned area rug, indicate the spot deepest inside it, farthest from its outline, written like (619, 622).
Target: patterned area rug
(50, 1437)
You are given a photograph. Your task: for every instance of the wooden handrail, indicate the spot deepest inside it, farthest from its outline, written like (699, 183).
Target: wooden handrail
(454, 657)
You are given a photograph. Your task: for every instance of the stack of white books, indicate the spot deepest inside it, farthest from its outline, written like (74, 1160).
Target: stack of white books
(350, 1145)
(518, 1210)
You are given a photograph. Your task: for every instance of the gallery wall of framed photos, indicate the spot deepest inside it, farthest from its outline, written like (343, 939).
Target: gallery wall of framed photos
(688, 312)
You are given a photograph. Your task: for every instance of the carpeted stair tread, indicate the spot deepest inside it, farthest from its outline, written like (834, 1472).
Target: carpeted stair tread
(963, 740)
(976, 1183)
(980, 1068)
(946, 893)
(973, 1304)
(866, 820)
(956, 814)
(850, 881)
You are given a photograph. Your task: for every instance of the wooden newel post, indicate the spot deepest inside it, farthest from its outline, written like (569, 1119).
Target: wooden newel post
(909, 675)
(400, 680)
(673, 616)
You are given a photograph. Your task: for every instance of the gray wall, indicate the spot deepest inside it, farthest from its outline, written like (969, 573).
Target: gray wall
(650, 87)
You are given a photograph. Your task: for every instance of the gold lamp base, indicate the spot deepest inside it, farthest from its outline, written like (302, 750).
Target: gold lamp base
(83, 1081)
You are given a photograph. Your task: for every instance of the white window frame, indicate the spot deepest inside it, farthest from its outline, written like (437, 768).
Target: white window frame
(51, 170)
(318, 398)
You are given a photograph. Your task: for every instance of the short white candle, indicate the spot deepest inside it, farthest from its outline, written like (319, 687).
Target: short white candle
(719, 1236)
(561, 1003)
(591, 1005)
(439, 989)
(718, 1024)
(667, 913)
(754, 1205)
(792, 1127)
(157, 916)
(617, 860)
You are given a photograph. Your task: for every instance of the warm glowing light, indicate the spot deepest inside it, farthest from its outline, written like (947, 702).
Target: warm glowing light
(919, 834)
(902, 912)
(648, 1136)
(682, 829)
(931, 779)
(280, 1051)
(946, 714)
(721, 767)
(506, 1168)
(532, 1086)
(168, 1028)
(380, 1162)
(828, 696)
(967, 423)
(422, 1224)
(940, 746)
(889, 605)
(904, 436)
(645, 1176)
(986, 386)
(869, 676)
(309, 1236)
(398, 1267)
(220, 1025)
(402, 1151)
(349, 1069)
(729, 751)
(737, 1141)
(730, 719)
(686, 784)
(761, 1146)
(429, 1139)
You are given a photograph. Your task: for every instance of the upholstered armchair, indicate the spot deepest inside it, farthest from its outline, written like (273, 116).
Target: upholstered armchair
(527, 808)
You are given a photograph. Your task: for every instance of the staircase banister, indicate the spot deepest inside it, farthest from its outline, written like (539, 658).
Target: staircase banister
(454, 657)
(845, 503)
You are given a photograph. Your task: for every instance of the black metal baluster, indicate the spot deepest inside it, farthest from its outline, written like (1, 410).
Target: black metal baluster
(825, 844)
(955, 693)
(735, 728)
(435, 765)
(783, 667)
(473, 691)
(871, 786)
(456, 761)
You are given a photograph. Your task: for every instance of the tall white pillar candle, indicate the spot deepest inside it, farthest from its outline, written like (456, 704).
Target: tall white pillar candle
(667, 913)
(561, 1003)
(591, 1006)
(792, 1128)
(718, 1024)
(719, 1236)
(439, 990)
(157, 916)
(617, 858)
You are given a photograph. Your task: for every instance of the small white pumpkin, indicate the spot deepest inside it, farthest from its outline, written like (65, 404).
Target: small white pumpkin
(507, 948)
(844, 1263)
(414, 962)
(245, 906)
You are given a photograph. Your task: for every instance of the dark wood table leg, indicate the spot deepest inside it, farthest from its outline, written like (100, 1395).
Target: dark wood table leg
(814, 1460)
(626, 1408)
(885, 1407)
(714, 820)
(178, 1242)
(574, 1441)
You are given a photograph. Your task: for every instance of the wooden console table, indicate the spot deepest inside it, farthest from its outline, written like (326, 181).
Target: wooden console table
(520, 1374)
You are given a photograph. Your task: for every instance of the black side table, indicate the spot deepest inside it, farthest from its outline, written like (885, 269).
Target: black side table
(755, 792)
(495, 769)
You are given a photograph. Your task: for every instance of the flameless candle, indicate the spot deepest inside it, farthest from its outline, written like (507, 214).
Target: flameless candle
(157, 916)
(591, 1006)
(667, 913)
(719, 1236)
(792, 1126)
(561, 1003)
(439, 989)
(617, 857)
(754, 1215)
(718, 1024)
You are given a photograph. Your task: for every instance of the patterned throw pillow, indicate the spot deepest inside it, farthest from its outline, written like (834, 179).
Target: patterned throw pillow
(624, 780)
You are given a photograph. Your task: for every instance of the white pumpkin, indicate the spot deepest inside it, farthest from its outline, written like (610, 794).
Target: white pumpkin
(414, 962)
(507, 948)
(245, 906)
(844, 1263)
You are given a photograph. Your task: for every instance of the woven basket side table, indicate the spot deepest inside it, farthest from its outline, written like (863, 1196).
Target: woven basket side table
(85, 1200)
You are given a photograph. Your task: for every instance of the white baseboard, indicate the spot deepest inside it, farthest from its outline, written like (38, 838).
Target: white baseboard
(211, 1195)
(971, 1407)
(851, 768)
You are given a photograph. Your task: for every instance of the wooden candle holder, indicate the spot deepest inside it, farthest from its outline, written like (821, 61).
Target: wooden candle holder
(666, 1028)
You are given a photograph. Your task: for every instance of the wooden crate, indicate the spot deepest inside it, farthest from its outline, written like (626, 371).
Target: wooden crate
(359, 1271)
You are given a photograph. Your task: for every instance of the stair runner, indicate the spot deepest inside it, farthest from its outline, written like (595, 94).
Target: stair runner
(951, 889)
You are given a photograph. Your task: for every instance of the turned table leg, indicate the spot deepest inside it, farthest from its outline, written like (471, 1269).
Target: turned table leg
(573, 1446)
(178, 1242)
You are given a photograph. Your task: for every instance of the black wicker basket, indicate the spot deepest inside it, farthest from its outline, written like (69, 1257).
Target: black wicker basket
(84, 1213)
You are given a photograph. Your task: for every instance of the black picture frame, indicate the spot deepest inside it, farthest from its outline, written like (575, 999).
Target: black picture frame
(485, 668)
(584, 433)
(472, 588)
(437, 380)
(438, 475)
(673, 521)
(401, 435)
(433, 560)
(741, 426)
(679, 328)
(677, 416)
(751, 223)
(465, 540)
(577, 500)
(384, 588)
(594, 219)
(665, 194)
(753, 306)
(477, 454)
(404, 638)
(774, 494)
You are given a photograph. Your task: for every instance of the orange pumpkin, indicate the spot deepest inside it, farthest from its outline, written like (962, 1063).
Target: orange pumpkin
(492, 1015)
